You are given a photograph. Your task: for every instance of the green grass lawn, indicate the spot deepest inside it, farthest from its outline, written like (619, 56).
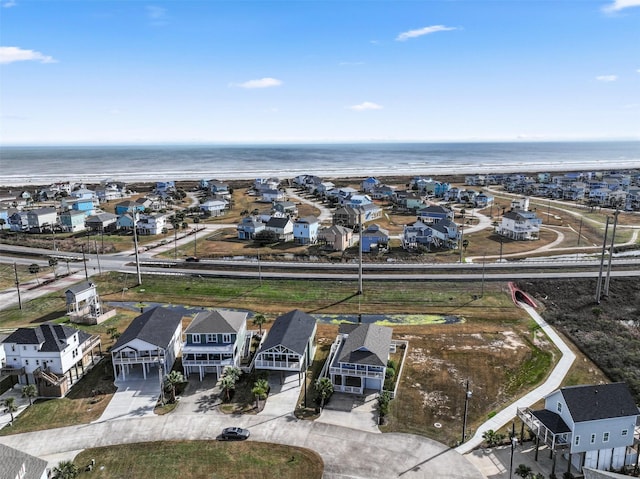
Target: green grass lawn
(200, 460)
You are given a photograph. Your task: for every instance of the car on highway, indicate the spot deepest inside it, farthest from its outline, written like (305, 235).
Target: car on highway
(192, 259)
(234, 434)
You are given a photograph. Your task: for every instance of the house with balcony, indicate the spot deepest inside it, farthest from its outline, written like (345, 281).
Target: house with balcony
(368, 184)
(213, 341)
(360, 359)
(18, 221)
(83, 301)
(434, 213)
(290, 343)
(72, 221)
(213, 207)
(374, 238)
(51, 356)
(337, 238)
(269, 196)
(102, 222)
(85, 205)
(129, 206)
(519, 225)
(282, 227)
(593, 426)
(249, 227)
(151, 342)
(305, 230)
(151, 224)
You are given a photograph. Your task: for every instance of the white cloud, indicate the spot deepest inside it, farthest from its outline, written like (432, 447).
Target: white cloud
(618, 5)
(364, 106)
(423, 31)
(607, 78)
(157, 15)
(9, 4)
(261, 83)
(16, 54)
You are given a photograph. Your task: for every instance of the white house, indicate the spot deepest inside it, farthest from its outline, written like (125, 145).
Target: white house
(152, 340)
(213, 207)
(52, 356)
(592, 426)
(360, 359)
(290, 343)
(520, 225)
(282, 227)
(214, 340)
(305, 230)
(151, 224)
(42, 218)
(83, 300)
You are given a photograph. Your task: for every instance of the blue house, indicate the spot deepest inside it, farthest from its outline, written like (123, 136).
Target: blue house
(83, 205)
(374, 237)
(482, 200)
(305, 230)
(73, 221)
(434, 213)
(368, 184)
(129, 206)
(249, 227)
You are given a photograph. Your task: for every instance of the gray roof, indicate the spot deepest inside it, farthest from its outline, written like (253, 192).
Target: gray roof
(217, 321)
(552, 421)
(80, 287)
(156, 326)
(366, 344)
(277, 222)
(12, 461)
(291, 330)
(101, 218)
(53, 337)
(600, 401)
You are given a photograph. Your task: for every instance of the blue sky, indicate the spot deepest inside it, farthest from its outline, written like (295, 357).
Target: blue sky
(109, 72)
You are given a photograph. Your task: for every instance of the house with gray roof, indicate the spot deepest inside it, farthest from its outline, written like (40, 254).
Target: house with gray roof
(290, 343)
(360, 359)
(51, 356)
(152, 340)
(592, 426)
(214, 340)
(20, 465)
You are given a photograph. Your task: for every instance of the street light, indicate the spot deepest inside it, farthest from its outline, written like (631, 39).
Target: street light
(514, 443)
(467, 396)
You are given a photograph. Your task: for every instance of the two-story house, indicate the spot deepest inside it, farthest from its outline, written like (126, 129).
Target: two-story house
(592, 426)
(212, 207)
(305, 230)
(434, 213)
(73, 221)
(360, 359)
(42, 218)
(152, 340)
(52, 356)
(282, 227)
(374, 238)
(290, 343)
(214, 340)
(336, 237)
(519, 225)
(249, 227)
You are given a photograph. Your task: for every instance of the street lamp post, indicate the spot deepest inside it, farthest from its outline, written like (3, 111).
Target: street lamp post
(135, 243)
(467, 396)
(514, 443)
(360, 253)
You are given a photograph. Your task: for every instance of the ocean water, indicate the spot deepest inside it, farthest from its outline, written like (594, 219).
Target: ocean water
(44, 165)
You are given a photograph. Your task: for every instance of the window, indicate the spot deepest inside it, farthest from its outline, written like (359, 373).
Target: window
(593, 438)
(26, 362)
(576, 441)
(37, 361)
(605, 437)
(212, 338)
(226, 338)
(195, 338)
(624, 432)
(559, 407)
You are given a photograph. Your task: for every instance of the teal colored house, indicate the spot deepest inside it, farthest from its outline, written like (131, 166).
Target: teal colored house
(73, 221)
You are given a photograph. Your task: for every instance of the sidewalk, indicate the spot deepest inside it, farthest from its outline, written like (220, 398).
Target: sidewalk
(551, 384)
(21, 402)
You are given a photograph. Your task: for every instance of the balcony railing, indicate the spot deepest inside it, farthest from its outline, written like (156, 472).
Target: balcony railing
(356, 372)
(137, 359)
(546, 435)
(293, 365)
(207, 362)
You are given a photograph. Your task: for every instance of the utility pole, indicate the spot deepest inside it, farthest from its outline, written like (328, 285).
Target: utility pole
(461, 237)
(15, 270)
(604, 247)
(97, 256)
(467, 396)
(514, 442)
(613, 238)
(84, 260)
(360, 253)
(580, 231)
(195, 240)
(484, 256)
(135, 244)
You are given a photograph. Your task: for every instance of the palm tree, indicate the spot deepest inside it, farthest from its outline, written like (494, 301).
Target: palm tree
(65, 470)
(171, 380)
(233, 372)
(35, 269)
(493, 438)
(259, 319)
(324, 388)
(523, 470)
(30, 391)
(53, 262)
(260, 388)
(227, 384)
(113, 333)
(10, 406)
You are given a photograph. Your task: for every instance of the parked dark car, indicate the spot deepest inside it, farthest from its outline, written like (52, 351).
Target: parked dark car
(234, 434)
(192, 259)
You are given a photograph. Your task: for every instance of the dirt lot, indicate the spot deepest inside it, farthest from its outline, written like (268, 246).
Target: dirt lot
(609, 332)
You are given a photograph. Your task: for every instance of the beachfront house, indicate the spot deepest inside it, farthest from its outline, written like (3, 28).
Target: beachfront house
(214, 340)
(374, 238)
(51, 356)
(368, 184)
(129, 206)
(270, 196)
(290, 343)
(592, 426)
(305, 230)
(360, 359)
(152, 340)
(42, 218)
(72, 221)
(337, 238)
(434, 213)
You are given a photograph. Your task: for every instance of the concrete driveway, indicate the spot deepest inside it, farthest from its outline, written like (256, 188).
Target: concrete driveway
(283, 395)
(135, 397)
(349, 410)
